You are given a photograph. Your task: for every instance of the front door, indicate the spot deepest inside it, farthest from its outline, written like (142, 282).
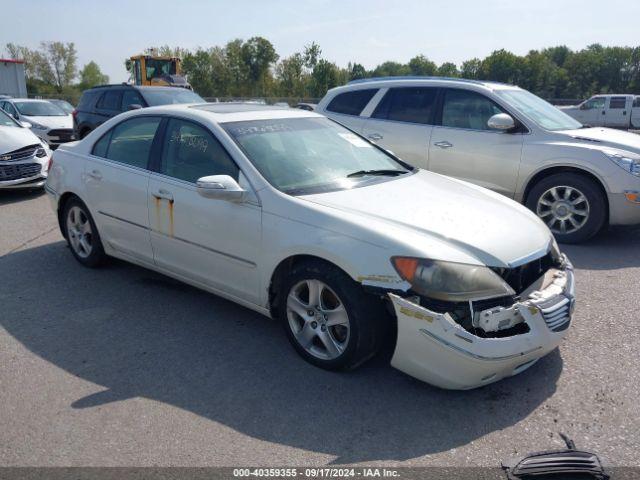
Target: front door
(402, 122)
(592, 112)
(213, 242)
(116, 179)
(463, 145)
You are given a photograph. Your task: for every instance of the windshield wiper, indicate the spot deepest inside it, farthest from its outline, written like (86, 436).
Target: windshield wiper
(390, 173)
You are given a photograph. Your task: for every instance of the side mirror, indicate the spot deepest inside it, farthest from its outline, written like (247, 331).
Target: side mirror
(221, 187)
(584, 106)
(25, 124)
(501, 121)
(134, 106)
(16, 116)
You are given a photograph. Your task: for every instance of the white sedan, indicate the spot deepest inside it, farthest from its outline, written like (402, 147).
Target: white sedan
(294, 216)
(24, 158)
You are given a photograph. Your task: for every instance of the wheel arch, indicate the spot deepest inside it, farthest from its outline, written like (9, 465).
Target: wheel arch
(64, 198)
(284, 267)
(546, 172)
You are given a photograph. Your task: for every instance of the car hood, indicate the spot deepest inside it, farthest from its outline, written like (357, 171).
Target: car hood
(14, 138)
(491, 228)
(51, 122)
(607, 137)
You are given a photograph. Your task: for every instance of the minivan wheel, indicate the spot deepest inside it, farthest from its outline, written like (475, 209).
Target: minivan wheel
(82, 235)
(572, 206)
(330, 321)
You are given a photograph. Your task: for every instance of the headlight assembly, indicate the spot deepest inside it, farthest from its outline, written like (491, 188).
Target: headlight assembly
(628, 161)
(454, 282)
(37, 126)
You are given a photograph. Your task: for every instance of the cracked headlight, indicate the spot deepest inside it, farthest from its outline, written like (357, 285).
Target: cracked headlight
(628, 161)
(454, 282)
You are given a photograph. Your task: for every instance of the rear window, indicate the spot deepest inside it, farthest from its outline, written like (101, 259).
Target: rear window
(617, 102)
(88, 98)
(414, 105)
(351, 103)
(110, 100)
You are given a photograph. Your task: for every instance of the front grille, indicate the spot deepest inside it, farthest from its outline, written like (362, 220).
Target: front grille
(64, 134)
(519, 278)
(572, 463)
(16, 172)
(20, 154)
(556, 313)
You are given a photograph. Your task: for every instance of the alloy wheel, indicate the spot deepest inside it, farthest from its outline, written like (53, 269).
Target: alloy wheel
(79, 232)
(564, 209)
(318, 319)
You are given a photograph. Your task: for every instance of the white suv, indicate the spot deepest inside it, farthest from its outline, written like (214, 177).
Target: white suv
(503, 138)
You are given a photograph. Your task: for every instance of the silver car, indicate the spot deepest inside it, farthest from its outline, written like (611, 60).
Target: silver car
(503, 138)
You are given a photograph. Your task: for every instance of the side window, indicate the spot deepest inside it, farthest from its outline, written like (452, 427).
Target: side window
(414, 105)
(110, 100)
(467, 109)
(351, 103)
(129, 142)
(130, 97)
(10, 109)
(597, 102)
(617, 103)
(190, 152)
(100, 147)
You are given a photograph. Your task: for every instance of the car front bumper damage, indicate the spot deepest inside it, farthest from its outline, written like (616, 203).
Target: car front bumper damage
(433, 348)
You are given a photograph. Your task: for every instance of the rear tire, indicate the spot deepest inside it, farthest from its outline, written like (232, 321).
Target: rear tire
(329, 320)
(572, 205)
(82, 234)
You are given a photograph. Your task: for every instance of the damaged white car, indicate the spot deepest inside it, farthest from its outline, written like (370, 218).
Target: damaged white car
(290, 214)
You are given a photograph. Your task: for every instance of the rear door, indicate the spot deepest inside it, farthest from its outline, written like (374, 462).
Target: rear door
(210, 241)
(463, 146)
(116, 182)
(108, 105)
(635, 113)
(402, 122)
(618, 109)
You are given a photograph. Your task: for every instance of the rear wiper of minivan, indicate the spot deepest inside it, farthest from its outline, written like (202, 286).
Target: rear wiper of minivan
(362, 173)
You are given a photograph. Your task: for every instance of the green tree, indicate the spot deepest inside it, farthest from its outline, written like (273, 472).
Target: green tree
(471, 69)
(421, 65)
(325, 75)
(61, 61)
(258, 55)
(391, 69)
(91, 75)
(448, 69)
(356, 71)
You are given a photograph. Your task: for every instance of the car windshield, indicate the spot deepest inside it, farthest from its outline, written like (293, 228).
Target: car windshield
(6, 120)
(171, 95)
(63, 104)
(543, 113)
(39, 109)
(311, 155)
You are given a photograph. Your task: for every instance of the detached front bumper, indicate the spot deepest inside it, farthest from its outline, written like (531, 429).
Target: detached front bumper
(433, 348)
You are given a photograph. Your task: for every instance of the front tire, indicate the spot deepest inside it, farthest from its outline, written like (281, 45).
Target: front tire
(330, 321)
(82, 235)
(572, 205)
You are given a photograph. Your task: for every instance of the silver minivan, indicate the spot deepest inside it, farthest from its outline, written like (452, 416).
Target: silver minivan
(504, 138)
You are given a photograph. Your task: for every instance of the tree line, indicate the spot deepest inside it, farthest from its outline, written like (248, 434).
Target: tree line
(253, 68)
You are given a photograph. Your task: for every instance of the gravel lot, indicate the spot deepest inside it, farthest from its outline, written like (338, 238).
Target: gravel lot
(122, 366)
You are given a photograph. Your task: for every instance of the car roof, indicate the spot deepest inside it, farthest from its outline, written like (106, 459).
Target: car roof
(27, 100)
(128, 85)
(232, 112)
(379, 82)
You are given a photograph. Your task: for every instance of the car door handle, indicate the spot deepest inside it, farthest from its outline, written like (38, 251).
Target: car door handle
(95, 174)
(163, 195)
(444, 144)
(374, 136)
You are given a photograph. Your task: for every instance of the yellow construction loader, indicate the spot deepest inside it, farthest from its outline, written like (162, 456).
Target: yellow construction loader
(158, 71)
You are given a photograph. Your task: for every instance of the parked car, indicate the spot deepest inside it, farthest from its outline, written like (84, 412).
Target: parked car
(62, 104)
(101, 103)
(616, 111)
(24, 158)
(294, 216)
(503, 138)
(48, 122)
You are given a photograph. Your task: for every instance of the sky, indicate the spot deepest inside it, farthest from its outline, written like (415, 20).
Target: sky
(366, 31)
